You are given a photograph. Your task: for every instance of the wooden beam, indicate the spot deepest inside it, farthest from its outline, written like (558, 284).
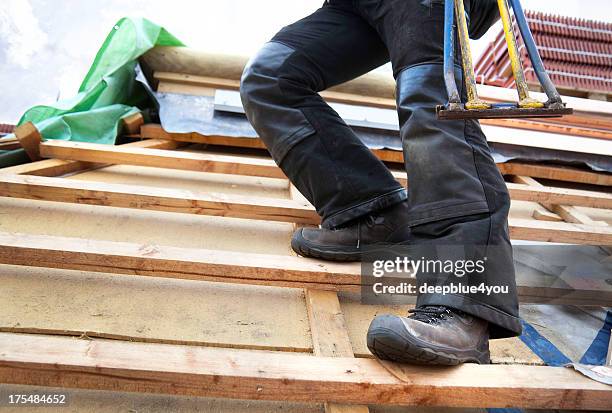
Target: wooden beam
(9, 143)
(49, 167)
(250, 374)
(240, 268)
(330, 336)
(57, 167)
(155, 199)
(566, 212)
(155, 131)
(549, 195)
(533, 230)
(557, 173)
(542, 214)
(173, 262)
(132, 123)
(567, 129)
(29, 138)
(125, 155)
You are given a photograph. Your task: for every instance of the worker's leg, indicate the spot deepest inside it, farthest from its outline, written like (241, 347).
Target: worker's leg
(456, 197)
(319, 153)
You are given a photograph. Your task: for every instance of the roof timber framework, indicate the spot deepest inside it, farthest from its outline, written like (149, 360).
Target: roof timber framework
(332, 376)
(330, 363)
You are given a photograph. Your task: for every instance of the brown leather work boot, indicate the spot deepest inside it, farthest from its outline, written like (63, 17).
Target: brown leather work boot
(430, 335)
(388, 226)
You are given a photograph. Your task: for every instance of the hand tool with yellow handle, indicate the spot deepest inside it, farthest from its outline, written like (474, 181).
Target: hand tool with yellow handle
(474, 107)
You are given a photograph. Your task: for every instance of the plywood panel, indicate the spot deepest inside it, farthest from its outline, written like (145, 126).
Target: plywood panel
(179, 311)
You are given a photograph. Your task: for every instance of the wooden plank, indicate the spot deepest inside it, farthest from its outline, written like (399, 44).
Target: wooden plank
(173, 262)
(154, 310)
(8, 143)
(29, 138)
(132, 123)
(250, 374)
(533, 230)
(330, 336)
(190, 161)
(57, 167)
(239, 267)
(155, 131)
(48, 167)
(557, 173)
(549, 195)
(572, 130)
(156, 199)
(566, 212)
(542, 214)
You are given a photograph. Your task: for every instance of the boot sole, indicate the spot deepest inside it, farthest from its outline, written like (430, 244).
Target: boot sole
(301, 246)
(388, 340)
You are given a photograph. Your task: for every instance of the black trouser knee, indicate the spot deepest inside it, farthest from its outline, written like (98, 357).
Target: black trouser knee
(315, 148)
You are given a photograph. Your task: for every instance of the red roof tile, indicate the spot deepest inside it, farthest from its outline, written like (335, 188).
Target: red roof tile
(577, 54)
(5, 128)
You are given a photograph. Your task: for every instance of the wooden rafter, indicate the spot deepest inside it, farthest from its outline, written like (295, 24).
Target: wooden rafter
(190, 161)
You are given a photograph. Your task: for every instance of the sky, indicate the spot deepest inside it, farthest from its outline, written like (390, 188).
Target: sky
(46, 46)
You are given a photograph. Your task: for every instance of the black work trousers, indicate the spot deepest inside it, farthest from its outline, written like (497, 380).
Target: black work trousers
(456, 193)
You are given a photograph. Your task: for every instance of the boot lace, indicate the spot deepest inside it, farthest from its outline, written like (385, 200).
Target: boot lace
(431, 314)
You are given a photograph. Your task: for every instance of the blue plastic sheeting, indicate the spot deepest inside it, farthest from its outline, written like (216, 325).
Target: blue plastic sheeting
(597, 352)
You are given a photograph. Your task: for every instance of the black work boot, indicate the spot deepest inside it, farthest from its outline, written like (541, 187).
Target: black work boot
(387, 226)
(430, 335)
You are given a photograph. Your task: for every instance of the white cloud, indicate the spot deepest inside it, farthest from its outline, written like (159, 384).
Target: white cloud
(20, 32)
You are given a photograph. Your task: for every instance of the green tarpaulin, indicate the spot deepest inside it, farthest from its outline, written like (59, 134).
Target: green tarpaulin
(109, 91)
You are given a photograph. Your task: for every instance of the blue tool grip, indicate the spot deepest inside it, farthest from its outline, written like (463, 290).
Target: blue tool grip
(449, 53)
(532, 50)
